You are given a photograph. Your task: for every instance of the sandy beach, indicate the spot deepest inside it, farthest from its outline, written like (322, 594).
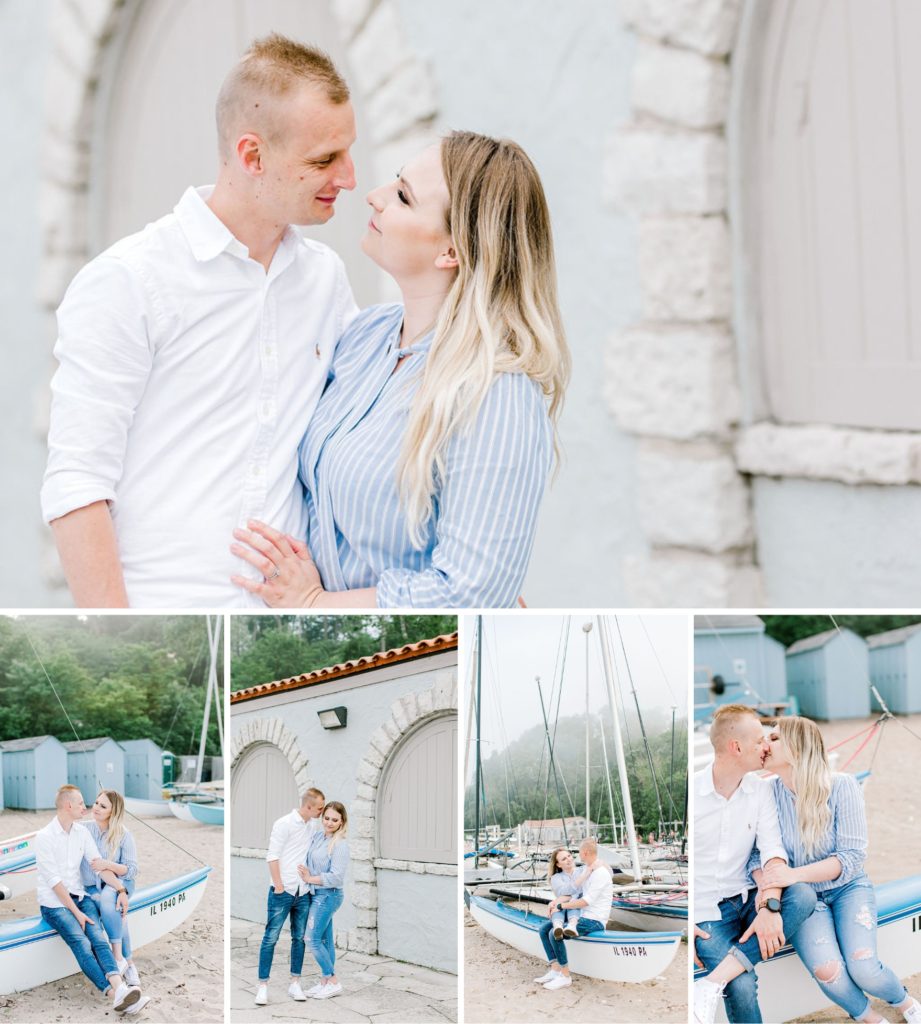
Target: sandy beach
(183, 972)
(893, 805)
(499, 986)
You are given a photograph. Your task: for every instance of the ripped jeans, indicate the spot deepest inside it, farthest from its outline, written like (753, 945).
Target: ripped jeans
(319, 935)
(838, 946)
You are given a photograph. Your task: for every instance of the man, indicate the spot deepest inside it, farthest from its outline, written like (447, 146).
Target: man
(734, 811)
(60, 847)
(595, 902)
(193, 353)
(287, 893)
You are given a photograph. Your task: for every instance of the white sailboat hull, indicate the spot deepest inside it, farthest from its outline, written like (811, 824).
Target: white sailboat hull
(147, 808)
(609, 956)
(32, 953)
(180, 810)
(17, 865)
(785, 988)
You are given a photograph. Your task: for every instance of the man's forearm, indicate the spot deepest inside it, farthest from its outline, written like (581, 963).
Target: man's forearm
(89, 556)
(60, 890)
(275, 872)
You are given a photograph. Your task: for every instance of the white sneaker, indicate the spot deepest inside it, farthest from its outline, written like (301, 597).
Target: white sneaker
(125, 996)
(138, 1006)
(913, 1013)
(569, 932)
(316, 988)
(262, 995)
(707, 995)
(549, 976)
(122, 966)
(560, 981)
(296, 992)
(131, 975)
(328, 991)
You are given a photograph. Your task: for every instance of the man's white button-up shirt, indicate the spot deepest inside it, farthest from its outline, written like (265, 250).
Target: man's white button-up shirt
(288, 845)
(58, 856)
(724, 833)
(187, 376)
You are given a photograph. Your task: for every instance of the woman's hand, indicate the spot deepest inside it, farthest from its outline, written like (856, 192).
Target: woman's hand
(291, 580)
(121, 902)
(302, 871)
(778, 876)
(100, 864)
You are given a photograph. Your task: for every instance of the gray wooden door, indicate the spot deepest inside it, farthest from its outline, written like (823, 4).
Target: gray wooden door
(262, 789)
(417, 802)
(835, 171)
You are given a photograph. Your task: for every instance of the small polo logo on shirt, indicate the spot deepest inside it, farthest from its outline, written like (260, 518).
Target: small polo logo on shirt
(317, 350)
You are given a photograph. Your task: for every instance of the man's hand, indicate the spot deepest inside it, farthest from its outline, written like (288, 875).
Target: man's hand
(82, 919)
(699, 933)
(279, 889)
(768, 926)
(121, 902)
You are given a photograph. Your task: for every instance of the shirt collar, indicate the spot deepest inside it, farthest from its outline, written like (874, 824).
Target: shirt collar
(205, 232)
(705, 785)
(422, 344)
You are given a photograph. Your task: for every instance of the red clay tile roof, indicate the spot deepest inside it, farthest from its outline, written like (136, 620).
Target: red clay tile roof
(421, 649)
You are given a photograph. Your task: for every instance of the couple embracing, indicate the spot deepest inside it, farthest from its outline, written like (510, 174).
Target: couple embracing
(781, 860)
(308, 858)
(228, 429)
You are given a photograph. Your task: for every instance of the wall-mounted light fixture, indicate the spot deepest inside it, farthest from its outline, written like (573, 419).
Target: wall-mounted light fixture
(334, 718)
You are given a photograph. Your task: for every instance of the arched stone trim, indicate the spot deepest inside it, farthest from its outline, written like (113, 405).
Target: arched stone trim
(271, 730)
(673, 377)
(406, 714)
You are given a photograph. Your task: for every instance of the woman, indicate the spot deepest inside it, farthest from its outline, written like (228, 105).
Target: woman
(824, 832)
(118, 854)
(425, 461)
(327, 861)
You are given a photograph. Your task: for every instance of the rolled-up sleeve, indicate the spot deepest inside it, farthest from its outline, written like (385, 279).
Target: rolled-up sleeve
(129, 857)
(494, 477)
(46, 862)
(850, 825)
(754, 863)
(104, 350)
(767, 834)
(277, 839)
(334, 877)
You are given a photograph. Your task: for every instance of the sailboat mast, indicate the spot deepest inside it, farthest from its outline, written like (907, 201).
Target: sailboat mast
(607, 779)
(212, 676)
(619, 750)
(479, 704)
(586, 629)
(559, 797)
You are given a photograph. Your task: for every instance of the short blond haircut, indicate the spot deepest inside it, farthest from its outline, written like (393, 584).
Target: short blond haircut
(268, 71)
(590, 846)
(67, 794)
(313, 796)
(725, 719)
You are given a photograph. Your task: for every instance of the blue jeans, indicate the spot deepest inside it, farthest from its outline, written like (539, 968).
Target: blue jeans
(90, 947)
(741, 994)
(323, 904)
(839, 940)
(555, 949)
(115, 925)
(281, 908)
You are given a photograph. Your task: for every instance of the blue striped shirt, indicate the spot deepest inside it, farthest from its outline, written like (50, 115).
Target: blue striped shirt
(125, 854)
(331, 867)
(846, 837)
(478, 542)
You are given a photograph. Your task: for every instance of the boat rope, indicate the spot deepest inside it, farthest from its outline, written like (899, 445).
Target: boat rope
(54, 690)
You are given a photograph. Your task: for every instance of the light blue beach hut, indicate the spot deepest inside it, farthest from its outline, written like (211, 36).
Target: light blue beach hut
(34, 769)
(143, 769)
(95, 764)
(828, 674)
(895, 667)
(736, 662)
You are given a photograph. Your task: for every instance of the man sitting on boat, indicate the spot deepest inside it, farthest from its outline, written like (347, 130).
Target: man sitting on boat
(288, 898)
(734, 810)
(595, 903)
(60, 849)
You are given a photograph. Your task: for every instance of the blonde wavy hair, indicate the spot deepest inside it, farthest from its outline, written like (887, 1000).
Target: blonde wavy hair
(342, 831)
(811, 778)
(116, 830)
(501, 314)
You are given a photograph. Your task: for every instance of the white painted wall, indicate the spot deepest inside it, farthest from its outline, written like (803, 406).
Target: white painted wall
(24, 352)
(554, 77)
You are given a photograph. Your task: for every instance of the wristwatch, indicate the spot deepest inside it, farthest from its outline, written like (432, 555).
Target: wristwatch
(772, 904)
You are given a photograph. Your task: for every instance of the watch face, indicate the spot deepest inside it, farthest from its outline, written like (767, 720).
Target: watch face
(774, 905)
